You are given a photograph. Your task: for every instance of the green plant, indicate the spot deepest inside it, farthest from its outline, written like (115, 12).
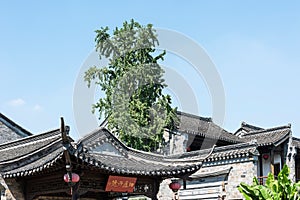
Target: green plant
(281, 189)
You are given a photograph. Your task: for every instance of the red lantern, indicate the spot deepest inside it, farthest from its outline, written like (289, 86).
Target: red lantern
(175, 186)
(74, 179)
(188, 149)
(266, 156)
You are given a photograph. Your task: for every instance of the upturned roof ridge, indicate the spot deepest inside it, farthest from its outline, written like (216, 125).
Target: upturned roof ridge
(130, 151)
(245, 124)
(30, 138)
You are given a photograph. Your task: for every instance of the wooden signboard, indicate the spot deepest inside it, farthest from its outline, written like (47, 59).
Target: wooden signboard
(120, 184)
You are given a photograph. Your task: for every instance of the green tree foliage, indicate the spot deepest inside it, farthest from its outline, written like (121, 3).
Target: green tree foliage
(281, 189)
(134, 104)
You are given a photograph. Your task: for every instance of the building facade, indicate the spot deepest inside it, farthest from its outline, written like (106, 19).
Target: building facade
(208, 161)
(238, 157)
(42, 166)
(9, 131)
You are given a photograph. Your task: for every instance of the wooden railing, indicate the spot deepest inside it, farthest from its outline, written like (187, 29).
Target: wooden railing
(262, 179)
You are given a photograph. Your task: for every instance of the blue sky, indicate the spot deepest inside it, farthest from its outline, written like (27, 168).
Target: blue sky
(254, 45)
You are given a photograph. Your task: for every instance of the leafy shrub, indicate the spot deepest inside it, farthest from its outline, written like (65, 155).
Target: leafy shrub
(281, 189)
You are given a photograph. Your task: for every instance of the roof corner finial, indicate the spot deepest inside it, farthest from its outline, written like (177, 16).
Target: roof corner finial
(289, 125)
(211, 151)
(62, 125)
(64, 130)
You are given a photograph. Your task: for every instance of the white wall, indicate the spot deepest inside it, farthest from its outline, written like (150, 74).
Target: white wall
(266, 164)
(277, 159)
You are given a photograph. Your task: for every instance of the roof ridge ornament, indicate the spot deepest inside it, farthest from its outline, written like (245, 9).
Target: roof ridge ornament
(64, 131)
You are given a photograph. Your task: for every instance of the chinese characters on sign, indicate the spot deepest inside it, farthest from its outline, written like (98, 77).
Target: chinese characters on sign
(120, 184)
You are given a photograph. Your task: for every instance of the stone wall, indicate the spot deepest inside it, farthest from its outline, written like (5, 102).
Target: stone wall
(242, 170)
(290, 160)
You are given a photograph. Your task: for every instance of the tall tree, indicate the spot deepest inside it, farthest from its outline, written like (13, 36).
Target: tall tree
(134, 104)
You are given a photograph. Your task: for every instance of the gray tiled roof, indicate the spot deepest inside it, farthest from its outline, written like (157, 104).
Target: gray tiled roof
(271, 136)
(205, 127)
(233, 151)
(131, 161)
(26, 146)
(224, 152)
(245, 127)
(296, 142)
(10, 131)
(42, 152)
(31, 154)
(13, 126)
(42, 163)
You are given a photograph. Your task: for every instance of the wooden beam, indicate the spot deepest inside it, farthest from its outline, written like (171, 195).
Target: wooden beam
(272, 160)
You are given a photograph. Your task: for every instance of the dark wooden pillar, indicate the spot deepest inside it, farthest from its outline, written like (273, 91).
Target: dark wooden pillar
(272, 160)
(184, 183)
(260, 169)
(75, 191)
(155, 189)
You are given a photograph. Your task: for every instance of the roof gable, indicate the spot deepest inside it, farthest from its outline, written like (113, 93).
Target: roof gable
(107, 149)
(272, 136)
(296, 142)
(246, 128)
(10, 130)
(205, 127)
(202, 126)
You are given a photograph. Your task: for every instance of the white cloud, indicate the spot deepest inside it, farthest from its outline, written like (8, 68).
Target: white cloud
(16, 102)
(37, 107)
